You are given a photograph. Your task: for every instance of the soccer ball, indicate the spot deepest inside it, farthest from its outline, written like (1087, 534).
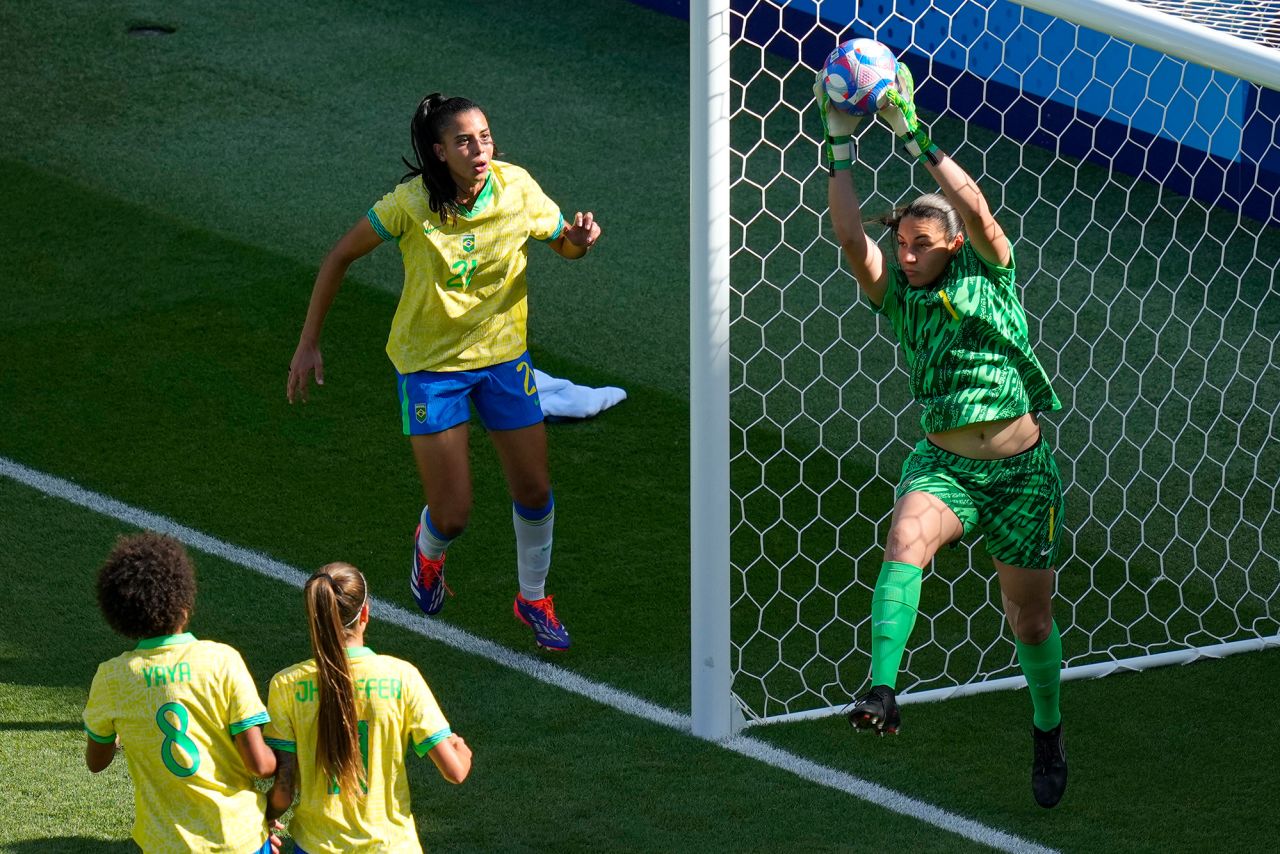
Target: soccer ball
(857, 76)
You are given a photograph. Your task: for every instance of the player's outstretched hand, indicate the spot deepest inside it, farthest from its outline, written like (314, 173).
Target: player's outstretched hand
(584, 231)
(837, 127)
(306, 362)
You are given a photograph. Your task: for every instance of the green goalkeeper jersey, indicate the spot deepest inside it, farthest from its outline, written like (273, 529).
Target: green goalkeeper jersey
(966, 344)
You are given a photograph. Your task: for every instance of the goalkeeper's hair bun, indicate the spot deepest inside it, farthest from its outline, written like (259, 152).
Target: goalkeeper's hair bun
(932, 206)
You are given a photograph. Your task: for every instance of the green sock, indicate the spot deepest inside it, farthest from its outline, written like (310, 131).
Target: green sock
(1042, 665)
(893, 615)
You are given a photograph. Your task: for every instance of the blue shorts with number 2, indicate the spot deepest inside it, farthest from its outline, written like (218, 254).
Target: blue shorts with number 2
(505, 395)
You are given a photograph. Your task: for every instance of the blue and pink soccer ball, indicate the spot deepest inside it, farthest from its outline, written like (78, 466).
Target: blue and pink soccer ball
(857, 76)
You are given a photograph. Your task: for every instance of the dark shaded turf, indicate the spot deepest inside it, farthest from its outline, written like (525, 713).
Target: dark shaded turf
(279, 126)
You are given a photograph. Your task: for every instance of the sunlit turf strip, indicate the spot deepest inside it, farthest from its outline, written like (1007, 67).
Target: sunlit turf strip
(612, 773)
(543, 671)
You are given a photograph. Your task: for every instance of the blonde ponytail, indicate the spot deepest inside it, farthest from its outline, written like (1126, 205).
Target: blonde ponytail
(334, 596)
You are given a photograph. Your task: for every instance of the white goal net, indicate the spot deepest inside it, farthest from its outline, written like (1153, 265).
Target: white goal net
(1138, 192)
(1255, 20)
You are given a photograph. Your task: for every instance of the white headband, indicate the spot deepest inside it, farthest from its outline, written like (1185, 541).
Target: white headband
(356, 618)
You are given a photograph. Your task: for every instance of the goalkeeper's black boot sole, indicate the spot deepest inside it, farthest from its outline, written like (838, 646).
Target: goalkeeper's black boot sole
(1049, 766)
(876, 710)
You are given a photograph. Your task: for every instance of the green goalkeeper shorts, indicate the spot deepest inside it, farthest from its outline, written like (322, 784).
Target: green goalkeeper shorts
(1016, 502)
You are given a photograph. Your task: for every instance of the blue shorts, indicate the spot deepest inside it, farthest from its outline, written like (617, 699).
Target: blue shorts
(505, 395)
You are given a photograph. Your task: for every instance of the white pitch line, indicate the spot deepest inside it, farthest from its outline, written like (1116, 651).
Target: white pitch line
(551, 674)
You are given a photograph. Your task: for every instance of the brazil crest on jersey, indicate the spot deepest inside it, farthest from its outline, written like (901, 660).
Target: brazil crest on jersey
(966, 344)
(464, 303)
(177, 703)
(397, 712)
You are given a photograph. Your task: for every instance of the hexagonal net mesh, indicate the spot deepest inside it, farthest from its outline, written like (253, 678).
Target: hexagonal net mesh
(1255, 20)
(1134, 188)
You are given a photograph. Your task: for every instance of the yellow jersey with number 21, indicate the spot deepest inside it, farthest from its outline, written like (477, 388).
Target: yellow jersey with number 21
(465, 301)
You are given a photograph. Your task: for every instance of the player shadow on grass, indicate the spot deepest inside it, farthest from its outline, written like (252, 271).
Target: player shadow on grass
(41, 726)
(71, 844)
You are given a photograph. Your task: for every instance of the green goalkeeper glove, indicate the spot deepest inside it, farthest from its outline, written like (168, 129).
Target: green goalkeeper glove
(900, 113)
(837, 127)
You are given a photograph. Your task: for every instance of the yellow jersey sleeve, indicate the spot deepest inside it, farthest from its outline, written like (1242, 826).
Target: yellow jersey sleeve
(426, 723)
(99, 718)
(244, 706)
(545, 222)
(279, 731)
(389, 218)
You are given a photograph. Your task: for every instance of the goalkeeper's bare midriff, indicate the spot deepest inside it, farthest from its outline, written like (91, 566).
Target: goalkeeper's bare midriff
(990, 440)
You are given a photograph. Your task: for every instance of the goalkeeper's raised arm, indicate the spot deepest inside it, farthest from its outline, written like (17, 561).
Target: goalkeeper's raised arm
(839, 151)
(986, 235)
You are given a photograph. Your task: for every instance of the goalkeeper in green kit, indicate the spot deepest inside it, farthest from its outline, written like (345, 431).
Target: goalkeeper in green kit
(982, 468)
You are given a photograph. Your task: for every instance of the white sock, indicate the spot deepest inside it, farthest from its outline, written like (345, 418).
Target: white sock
(533, 549)
(429, 543)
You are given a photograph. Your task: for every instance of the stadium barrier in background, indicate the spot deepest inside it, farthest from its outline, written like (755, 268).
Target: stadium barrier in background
(1133, 112)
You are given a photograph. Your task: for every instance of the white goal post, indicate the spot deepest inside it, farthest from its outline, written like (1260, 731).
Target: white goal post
(1134, 159)
(711, 666)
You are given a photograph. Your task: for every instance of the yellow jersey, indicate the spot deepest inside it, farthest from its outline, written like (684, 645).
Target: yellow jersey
(397, 712)
(465, 301)
(176, 704)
